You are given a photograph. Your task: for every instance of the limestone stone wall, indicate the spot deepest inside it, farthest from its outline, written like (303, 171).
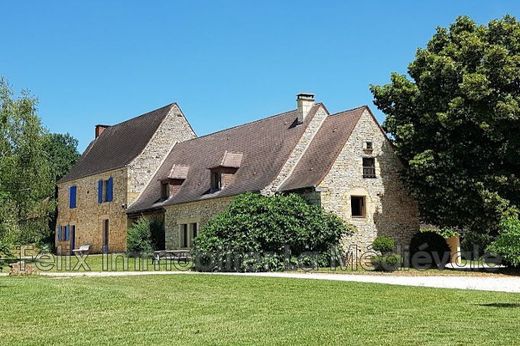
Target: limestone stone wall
(298, 151)
(88, 216)
(389, 209)
(194, 212)
(174, 128)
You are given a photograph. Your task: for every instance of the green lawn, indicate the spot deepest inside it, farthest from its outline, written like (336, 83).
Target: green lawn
(202, 309)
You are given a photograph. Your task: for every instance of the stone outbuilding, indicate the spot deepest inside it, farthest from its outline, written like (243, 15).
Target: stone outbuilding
(343, 162)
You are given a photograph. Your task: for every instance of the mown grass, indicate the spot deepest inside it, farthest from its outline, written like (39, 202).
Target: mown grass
(211, 309)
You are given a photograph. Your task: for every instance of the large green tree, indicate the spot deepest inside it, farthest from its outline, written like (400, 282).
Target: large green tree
(31, 160)
(62, 153)
(455, 122)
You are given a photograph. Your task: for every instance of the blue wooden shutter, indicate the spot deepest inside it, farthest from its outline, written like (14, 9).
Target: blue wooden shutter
(72, 197)
(58, 230)
(100, 191)
(110, 189)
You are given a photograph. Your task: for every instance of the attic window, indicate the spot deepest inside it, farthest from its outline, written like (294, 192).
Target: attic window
(165, 190)
(223, 174)
(368, 146)
(216, 181)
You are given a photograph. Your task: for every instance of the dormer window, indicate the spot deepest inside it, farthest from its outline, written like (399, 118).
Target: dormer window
(165, 190)
(223, 174)
(216, 181)
(173, 182)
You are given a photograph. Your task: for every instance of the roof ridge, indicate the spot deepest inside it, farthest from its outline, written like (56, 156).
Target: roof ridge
(244, 124)
(349, 110)
(142, 115)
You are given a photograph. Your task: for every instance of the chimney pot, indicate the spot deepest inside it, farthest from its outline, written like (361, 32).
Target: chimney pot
(304, 102)
(100, 129)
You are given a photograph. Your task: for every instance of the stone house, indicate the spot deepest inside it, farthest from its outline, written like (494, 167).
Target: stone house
(110, 175)
(343, 162)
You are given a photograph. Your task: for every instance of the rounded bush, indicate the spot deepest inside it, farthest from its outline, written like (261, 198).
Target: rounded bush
(383, 244)
(259, 233)
(386, 263)
(429, 250)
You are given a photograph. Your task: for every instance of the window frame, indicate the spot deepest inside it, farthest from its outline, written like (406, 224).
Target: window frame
(73, 202)
(369, 172)
(216, 181)
(363, 206)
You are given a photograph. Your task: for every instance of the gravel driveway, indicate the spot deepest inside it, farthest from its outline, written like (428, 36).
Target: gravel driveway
(499, 284)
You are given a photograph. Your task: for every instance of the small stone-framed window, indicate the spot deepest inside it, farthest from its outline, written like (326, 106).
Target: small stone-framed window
(358, 206)
(369, 167)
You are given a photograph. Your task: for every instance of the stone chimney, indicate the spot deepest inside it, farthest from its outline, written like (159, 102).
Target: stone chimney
(100, 129)
(304, 101)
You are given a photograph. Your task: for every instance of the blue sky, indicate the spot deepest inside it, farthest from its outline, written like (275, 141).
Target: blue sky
(224, 62)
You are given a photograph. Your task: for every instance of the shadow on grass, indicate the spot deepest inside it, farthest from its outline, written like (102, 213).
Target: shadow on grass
(501, 305)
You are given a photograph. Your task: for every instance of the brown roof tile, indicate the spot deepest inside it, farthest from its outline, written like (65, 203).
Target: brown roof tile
(118, 145)
(265, 146)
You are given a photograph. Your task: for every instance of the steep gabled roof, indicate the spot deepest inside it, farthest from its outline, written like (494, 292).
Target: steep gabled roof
(264, 147)
(118, 145)
(323, 150)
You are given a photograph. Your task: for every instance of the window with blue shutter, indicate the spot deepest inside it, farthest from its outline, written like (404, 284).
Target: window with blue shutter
(66, 232)
(100, 191)
(72, 196)
(110, 190)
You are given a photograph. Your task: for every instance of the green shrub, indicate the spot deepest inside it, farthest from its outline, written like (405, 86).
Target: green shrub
(429, 250)
(258, 233)
(386, 263)
(507, 244)
(139, 237)
(383, 244)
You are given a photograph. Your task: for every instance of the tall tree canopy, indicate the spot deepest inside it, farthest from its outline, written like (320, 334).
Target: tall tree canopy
(31, 160)
(455, 122)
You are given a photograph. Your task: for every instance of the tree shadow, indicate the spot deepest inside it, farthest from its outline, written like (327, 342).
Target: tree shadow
(501, 305)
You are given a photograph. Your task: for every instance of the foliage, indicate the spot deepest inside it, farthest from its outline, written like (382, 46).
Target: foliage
(386, 263)
(429, 250)
(455, 123)
(62, 153)
(26, 183)
(383, 244)
(31, 161)
(139, 237)
(445, 232)
(258, 233)
(507, 244)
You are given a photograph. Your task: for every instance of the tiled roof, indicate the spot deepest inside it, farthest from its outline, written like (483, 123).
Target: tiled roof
(323, 150)
(118, 145)
(264, 145)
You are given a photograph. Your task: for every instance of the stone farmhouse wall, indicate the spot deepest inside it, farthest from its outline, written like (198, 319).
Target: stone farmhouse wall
(389, 209)
(89, 215)
(194, 212)
(173, 129)
(129, 182)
